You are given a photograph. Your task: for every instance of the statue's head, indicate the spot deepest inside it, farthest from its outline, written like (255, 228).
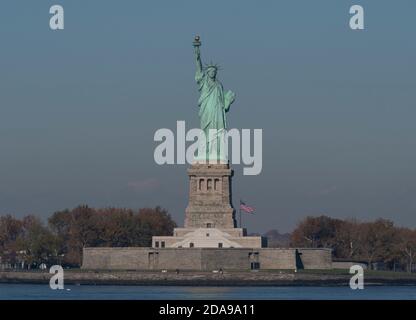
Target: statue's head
(212, 70)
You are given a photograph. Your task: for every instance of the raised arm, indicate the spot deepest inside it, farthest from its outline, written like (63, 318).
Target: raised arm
(199, 70)
(198, 59)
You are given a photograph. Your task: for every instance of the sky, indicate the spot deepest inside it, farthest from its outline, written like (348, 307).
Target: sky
(79, 107)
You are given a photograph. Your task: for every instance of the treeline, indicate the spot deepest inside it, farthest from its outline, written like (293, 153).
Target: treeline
(29, 242)
(373, 242)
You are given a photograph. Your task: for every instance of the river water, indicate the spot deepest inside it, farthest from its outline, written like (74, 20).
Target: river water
(85, 292)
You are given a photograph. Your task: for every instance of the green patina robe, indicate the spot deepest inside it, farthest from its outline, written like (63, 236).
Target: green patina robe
(213, 104)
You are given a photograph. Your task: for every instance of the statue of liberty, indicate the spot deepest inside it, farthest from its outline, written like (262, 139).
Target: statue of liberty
(213, 104)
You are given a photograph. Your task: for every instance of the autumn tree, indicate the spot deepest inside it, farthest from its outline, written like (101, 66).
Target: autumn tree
(406, 245)
(377, 241)
(75, 229)
(116, 227)
(10, 230)
(37, 242)
(348, 238)
(107, 227)
(317, 232)
(155, 221)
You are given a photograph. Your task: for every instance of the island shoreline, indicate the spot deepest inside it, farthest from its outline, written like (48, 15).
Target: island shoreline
(198, 278)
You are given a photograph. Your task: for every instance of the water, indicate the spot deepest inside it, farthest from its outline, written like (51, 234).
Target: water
(85, 292)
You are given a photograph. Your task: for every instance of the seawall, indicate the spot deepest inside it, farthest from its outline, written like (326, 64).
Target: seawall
(198, 278)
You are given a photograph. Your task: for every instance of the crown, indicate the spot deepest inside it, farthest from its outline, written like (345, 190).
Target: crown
(212, 65)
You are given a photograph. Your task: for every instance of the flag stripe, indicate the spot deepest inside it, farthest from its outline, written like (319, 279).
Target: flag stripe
(246, 208)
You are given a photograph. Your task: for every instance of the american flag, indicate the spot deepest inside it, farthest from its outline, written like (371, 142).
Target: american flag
(246, 208)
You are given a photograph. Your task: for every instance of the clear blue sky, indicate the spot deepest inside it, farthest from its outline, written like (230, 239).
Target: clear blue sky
(79, 107)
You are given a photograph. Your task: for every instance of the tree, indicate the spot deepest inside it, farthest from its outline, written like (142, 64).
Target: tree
(10, 230)
(155, 221)
(75, 229)
(348, 238)
(37, 242)
(377, 241)
(106, 227)
(407, 246)
(117, 227)
(316, 232)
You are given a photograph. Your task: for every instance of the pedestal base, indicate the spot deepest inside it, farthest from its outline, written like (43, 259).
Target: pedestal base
(210, 197)
(207, 238)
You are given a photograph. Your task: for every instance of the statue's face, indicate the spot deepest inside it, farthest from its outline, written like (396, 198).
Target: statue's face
(212, 73)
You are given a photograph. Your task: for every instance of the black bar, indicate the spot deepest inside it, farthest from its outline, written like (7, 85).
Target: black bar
(201, 309)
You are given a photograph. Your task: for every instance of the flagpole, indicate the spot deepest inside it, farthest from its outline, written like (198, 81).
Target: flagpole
(240, 213)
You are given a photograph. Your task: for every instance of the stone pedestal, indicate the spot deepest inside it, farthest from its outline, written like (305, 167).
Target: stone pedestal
(210, 197)
(209, 218)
